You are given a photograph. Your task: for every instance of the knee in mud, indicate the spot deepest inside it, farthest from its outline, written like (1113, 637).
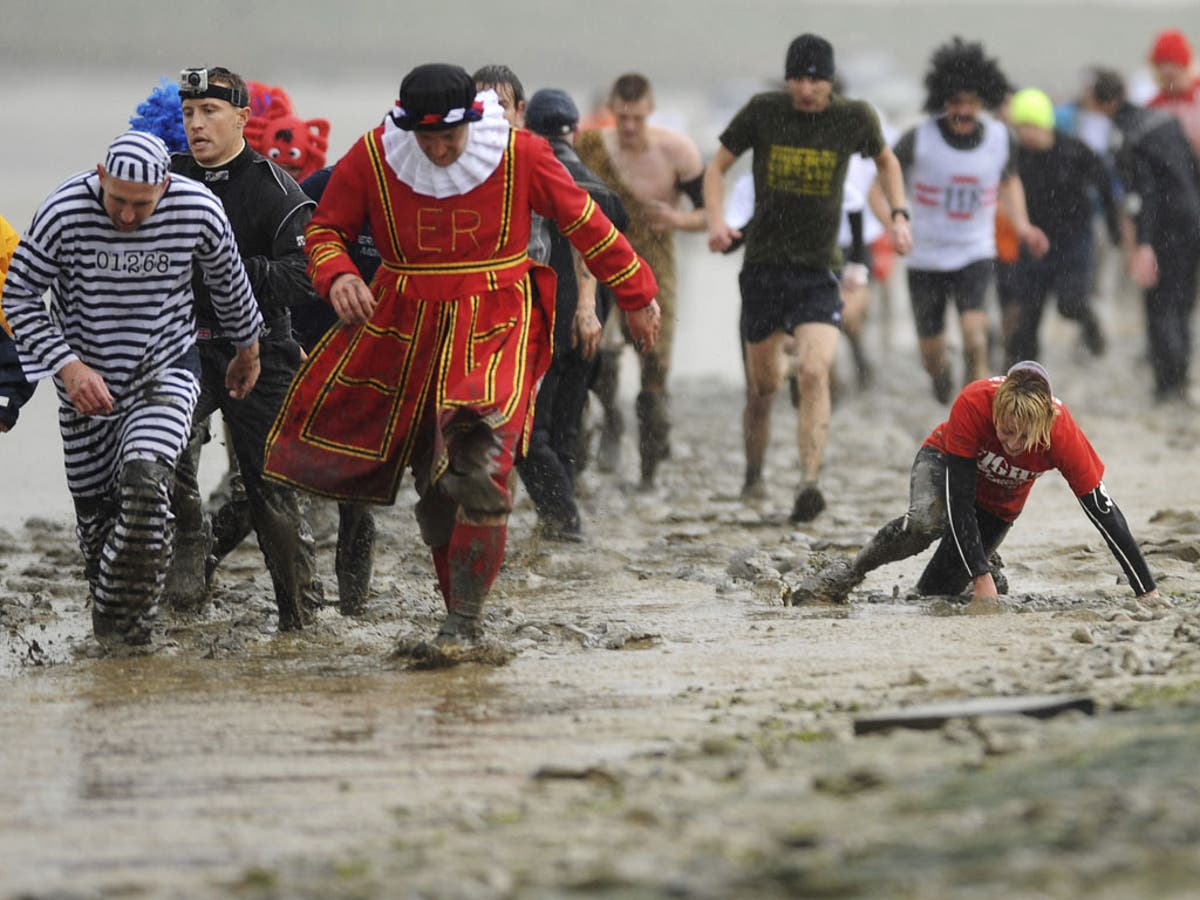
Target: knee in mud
(472, 445)
(929, 522)
(147, 478)
(477, 493)
(469, 479)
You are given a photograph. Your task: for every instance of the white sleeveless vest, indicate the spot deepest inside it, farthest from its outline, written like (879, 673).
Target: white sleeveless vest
(953, 197)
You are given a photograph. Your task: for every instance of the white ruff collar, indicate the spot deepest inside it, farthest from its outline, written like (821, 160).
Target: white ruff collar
(487, 140)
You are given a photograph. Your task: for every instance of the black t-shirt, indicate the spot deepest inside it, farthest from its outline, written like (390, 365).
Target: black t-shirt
(799, 167)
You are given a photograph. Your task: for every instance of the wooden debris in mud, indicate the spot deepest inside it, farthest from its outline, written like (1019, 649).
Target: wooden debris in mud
(934, 715)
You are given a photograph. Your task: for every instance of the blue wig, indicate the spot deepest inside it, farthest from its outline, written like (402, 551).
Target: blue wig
(162, 114)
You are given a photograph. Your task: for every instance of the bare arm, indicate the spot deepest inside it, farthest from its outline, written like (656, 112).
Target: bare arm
(664, 217)
(720, 235)
(688, 170)
(586, 330)
(887, 196)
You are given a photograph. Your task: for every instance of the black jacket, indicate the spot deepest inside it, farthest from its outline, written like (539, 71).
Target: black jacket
(269, 213)
(15, 391)
(1159, 172)
(561, 260)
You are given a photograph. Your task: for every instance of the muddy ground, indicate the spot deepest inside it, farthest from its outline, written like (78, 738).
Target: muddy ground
(668, 726)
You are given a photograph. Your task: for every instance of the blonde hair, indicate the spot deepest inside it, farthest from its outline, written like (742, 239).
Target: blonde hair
(1024, 399)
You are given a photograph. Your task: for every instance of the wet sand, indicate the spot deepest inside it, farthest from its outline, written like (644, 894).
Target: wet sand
(668, 727)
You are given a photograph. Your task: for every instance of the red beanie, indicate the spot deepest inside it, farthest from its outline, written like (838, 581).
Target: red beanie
(1171, 47)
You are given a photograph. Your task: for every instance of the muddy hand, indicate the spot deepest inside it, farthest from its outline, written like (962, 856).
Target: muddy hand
(644, 324)
(351, 299)
(1153, 600)
(1035, 239)
(242, 372)
(587, 333)
(984, 606)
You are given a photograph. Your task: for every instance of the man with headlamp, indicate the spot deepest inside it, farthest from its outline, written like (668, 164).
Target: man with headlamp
(269, 213)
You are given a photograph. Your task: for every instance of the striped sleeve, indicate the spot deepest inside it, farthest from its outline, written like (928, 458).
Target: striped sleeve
(228, 284)
(34, 267)
(121, 301)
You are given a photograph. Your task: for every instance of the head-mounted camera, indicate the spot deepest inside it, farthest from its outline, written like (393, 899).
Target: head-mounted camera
(193, 81)
(194, 84)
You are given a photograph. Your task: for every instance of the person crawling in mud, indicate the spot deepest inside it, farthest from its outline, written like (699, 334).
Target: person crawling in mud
(970, 481)
(439, 360)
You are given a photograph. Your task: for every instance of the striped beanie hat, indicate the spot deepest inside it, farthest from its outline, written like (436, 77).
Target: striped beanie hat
(138, 156)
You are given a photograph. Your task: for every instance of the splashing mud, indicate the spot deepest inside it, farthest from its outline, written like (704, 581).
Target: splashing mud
(663, 724)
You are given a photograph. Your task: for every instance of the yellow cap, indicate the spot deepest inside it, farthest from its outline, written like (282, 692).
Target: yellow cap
(1031, 107)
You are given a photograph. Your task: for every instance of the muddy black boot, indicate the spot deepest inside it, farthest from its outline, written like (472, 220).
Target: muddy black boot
(612, 428)
(826, 582)
(753, 486)
(231, 522)
(654, 433)
(474, 559)
(188, 578)
(113, 633)
(809, 503)
(355, 557)
(287, 545)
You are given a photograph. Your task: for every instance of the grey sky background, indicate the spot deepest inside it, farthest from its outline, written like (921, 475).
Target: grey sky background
(697, 44)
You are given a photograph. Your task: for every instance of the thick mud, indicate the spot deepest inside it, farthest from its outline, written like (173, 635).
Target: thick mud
(666, 726)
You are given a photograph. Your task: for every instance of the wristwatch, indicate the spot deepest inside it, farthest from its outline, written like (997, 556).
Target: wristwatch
(902, 211)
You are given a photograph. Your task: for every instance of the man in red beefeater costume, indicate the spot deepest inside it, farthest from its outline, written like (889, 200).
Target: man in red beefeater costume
(437, 363)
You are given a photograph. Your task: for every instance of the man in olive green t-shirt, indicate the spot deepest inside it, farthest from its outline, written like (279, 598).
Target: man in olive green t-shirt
(802, 140)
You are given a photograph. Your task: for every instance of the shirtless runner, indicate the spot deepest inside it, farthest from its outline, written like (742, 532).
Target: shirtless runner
(651, 168)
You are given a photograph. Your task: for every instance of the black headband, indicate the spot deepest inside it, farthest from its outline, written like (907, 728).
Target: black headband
(197, 83)
(236, 96)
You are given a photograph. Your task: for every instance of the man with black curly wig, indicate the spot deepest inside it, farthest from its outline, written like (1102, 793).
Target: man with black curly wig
(959, 162)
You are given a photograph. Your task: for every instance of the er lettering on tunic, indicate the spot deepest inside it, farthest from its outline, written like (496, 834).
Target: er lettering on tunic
(442, 230)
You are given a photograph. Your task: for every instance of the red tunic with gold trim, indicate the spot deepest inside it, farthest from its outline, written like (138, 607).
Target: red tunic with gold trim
(458, 326)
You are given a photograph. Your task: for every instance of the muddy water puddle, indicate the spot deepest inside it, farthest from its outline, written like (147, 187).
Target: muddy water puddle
(185, 764)
(187, 768)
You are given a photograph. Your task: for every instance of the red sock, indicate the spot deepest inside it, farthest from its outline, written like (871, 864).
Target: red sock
(441, 566)
(474, 558)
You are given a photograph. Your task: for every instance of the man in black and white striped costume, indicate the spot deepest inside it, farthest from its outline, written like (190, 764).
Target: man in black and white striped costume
(116, 248)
